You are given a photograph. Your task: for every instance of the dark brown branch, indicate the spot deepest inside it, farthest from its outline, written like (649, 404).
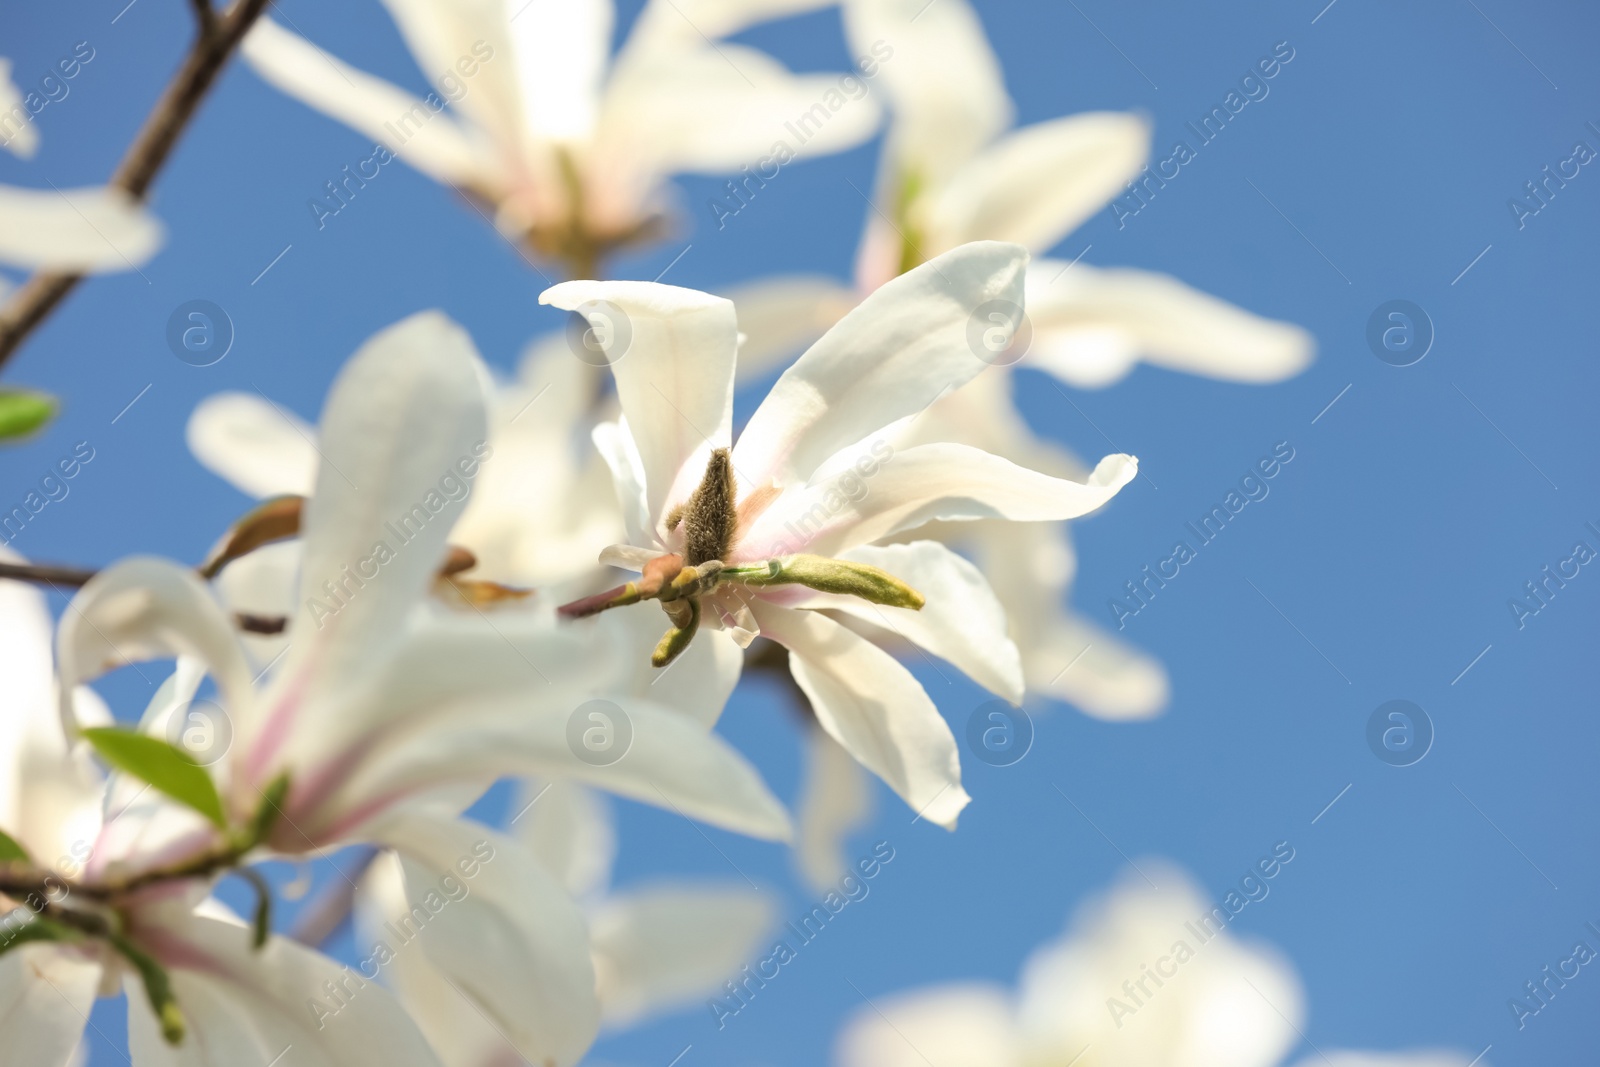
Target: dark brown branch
(144, 159)
(45, 574)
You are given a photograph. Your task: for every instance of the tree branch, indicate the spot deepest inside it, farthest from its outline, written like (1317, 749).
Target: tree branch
(144, 159)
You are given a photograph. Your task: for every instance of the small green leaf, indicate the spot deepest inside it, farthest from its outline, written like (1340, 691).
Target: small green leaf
(157, 986)
(165, 766)
(37, 929)
(11, 851)
(23, 412)
(266, 816)
(261, 923)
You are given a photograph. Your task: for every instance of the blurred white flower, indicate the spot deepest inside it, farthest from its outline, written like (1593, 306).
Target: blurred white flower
(716, 527)
(569, 146)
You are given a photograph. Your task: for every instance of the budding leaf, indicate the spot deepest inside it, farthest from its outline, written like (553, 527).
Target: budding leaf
(22, 412)
(165, 766)
(837, 576)
(11, 851)
(157, 987)
(261, 922)
(266, 816)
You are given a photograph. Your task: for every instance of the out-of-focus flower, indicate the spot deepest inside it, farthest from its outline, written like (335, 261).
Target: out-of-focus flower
(233, 1002)
(656, 946)
(774, 535)
(569, 146)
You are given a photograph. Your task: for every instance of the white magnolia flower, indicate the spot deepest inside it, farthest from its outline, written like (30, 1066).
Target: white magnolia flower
(656, 946)
(1220, 1002)
(1146, 976)
(239, 1003)
(382, 697)
(569, 145)
(776, 535)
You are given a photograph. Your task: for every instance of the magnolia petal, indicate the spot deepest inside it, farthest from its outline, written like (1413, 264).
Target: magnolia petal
(244, 1005)
(943, 81)
(1037, 184)
(410, 128)
(621, 456)
(927, 483)
(21, 139)
(568, 828)
(968, 1025)
(46, 992)
(671, 762)
(891, 357)
(872, 706)
(81, 230)
(145, 608)
(1428, 1058)
(781, 316)
(404, 424)
(672, 353)
(664, 947)
(562, 49)
(627, 557)
(500, 929)
(962, 621)
(1155, 316)
(1094, 671)
(699, 681)
(257, 446)
(669, 25)
(835, 800)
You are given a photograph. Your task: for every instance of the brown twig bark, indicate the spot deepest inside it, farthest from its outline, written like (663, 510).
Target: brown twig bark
(219, 35)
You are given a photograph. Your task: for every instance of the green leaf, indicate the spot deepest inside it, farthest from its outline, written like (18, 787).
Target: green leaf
(37, 929)
(266, 816)
(165, 766)
(11, 851)
(261, 922)
(157, 986)
(23, 412)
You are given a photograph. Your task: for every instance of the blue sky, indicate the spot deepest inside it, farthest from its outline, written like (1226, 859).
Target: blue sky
(1379, 167)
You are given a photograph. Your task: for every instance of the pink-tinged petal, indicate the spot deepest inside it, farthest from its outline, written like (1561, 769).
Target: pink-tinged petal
(928, 483)
(499, 928)
(671, 351)
(872, 706)
(897, 352)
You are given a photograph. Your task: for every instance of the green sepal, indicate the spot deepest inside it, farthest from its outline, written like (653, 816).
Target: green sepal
(675, 640)
(268, 812)
(261, 920)
(22, 412)
(157, 987)
(165, 766)
(834, 576)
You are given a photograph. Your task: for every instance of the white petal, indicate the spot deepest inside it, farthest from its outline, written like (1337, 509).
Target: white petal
(90, 230)
(404, 423)
(1158, 317)
(668, 946)
(256, 445)
(962, 621)
(263, 584)
(923, 484)
(672, 24)
(408, 127)
(672, 352)
(627, 557)
(1096, 672)
(144, 608)
(506, 934)
(779, 317)
(562, 48)
(622, 459)
(943, 80)
(18, 134)
(569, 829)
(442, 35)
(45, 996)
(944, 1026)
(1429, 1058)
(872, 706)
(1039, 183)
(892, 356)
(244, 1005)
(835, 800)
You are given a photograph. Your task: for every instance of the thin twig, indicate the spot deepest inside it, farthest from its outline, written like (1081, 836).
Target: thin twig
(45, 574)
(41, 294)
